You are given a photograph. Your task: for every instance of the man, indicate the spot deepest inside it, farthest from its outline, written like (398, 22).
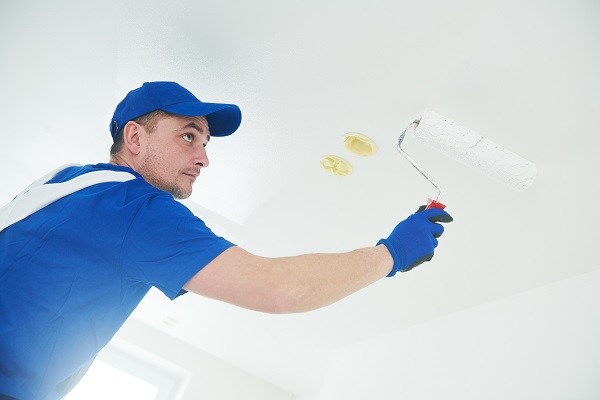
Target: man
(81, 247)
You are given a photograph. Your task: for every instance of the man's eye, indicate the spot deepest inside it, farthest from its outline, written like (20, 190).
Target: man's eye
(188, 137)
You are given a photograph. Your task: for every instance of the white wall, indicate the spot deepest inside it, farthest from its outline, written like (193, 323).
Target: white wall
(211, 378)
(540, 344)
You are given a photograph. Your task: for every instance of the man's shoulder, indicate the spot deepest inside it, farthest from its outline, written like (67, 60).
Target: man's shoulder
(113, 183)
(71, 171)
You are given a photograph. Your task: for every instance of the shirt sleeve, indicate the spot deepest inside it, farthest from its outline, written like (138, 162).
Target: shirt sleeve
(166, 245)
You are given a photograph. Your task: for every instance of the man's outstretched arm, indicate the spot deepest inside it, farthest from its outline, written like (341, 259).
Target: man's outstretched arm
(289, 284)
(310, 281)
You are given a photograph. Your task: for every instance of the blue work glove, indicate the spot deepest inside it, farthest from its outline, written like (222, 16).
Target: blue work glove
(413, 240)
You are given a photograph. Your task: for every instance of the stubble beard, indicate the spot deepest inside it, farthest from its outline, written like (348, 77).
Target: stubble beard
(149, 170)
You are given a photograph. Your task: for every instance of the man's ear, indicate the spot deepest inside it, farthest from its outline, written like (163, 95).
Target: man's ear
(131, 137)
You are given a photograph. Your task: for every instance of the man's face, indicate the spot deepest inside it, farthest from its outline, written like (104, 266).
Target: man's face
(172, 156)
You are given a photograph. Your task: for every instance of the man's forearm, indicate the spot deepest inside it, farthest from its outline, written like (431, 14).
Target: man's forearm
(317, 280)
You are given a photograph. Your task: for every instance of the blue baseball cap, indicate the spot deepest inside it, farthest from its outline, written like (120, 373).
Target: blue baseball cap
(223, 119)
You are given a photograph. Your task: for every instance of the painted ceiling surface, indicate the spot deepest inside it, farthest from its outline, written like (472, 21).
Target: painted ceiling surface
(523, 74)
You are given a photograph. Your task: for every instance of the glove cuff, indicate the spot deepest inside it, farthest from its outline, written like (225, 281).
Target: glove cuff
(398, 261)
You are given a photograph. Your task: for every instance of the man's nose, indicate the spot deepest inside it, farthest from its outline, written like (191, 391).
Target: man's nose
(202, 157)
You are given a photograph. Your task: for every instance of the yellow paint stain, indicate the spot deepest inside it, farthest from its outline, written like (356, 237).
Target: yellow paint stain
(336, 165)
(360, 144)
(170, 321)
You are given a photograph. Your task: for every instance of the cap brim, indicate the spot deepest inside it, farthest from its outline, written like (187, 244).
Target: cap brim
(223, 119)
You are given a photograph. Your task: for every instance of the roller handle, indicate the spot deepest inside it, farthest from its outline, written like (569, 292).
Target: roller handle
(432, 204)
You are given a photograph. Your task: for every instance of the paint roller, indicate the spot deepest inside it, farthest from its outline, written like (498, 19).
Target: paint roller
(469, 148)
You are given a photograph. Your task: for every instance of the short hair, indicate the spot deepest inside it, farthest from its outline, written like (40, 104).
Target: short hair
(148, 121)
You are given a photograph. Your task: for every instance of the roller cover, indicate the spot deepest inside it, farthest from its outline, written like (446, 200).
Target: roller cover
(474, 150)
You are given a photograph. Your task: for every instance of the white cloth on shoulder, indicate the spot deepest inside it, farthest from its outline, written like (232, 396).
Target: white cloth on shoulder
(38, 195)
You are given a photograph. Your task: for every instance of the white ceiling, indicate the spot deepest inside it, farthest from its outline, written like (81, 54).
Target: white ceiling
(523, 74)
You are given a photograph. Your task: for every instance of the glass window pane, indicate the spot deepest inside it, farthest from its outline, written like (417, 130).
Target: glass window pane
(104, 381)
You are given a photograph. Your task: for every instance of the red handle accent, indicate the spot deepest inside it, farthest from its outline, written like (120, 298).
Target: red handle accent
(434, 204)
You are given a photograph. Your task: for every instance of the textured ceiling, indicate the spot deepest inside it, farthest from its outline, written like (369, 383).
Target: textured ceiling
(523, 74)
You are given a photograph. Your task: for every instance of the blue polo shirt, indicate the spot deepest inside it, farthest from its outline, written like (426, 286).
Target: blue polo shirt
(71, 274)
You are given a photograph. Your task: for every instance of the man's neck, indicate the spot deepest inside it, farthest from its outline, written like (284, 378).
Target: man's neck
(118, 160)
